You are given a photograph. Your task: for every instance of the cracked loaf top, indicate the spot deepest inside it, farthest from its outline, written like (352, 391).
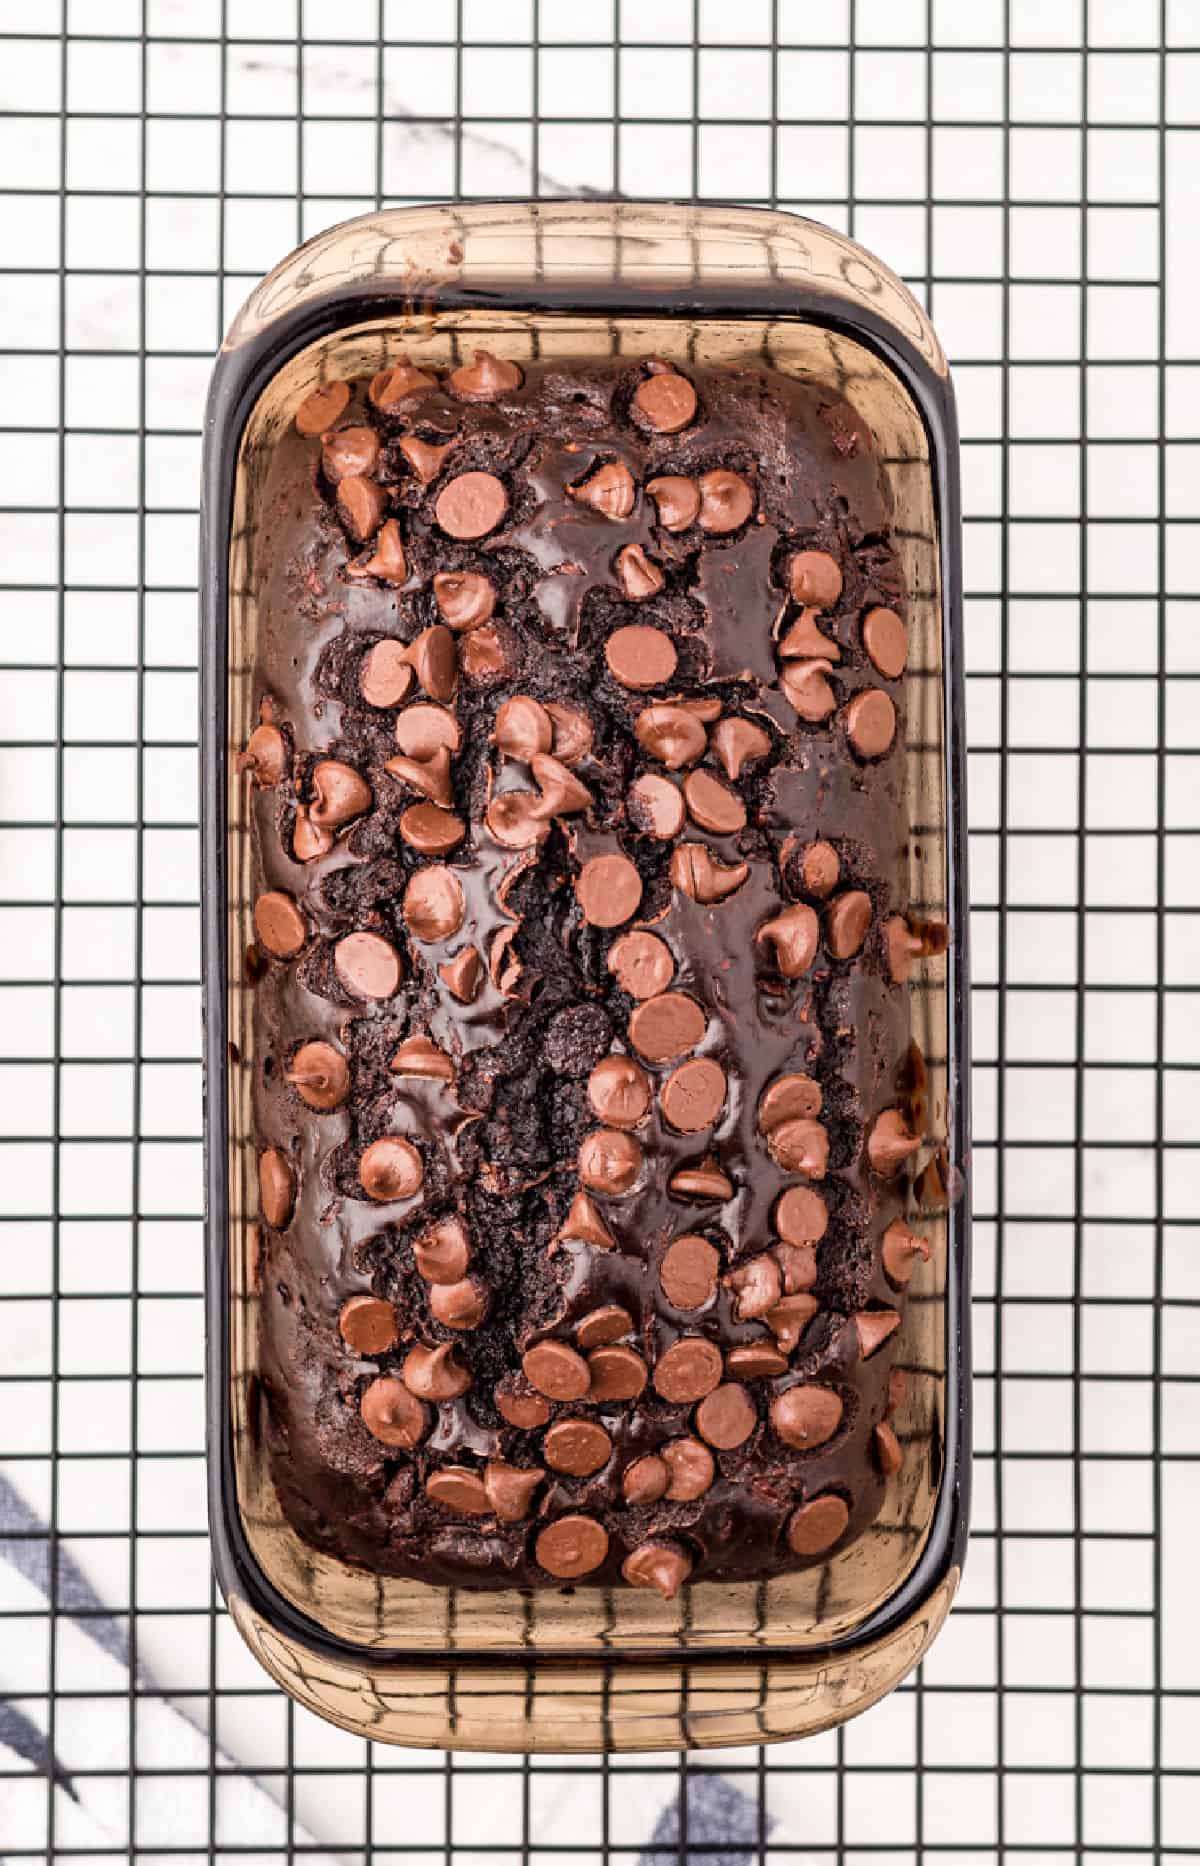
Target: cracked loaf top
(584, 1096)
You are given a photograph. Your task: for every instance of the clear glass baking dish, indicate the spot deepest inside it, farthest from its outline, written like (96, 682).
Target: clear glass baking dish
(590, 1668)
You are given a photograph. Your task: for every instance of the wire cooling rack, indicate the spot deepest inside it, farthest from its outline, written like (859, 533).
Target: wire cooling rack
(1032, 167)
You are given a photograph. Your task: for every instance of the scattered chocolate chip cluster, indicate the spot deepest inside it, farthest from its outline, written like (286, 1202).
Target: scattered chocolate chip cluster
(587, 1111)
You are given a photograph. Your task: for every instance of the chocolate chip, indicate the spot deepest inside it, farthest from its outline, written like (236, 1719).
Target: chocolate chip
(600, 1327)
(705, 1182)
(434, 906)
(485, 380)
(677, 500)
(885, 1447)
(361, 504)
(737, 743)
(846, 922)
(465, 599)
(488, 654)
(819, 869)
(572, 732)
(352, 452)
(513, 821)
(693, 1095)
(386, 675)
(435, 1373)
(786, 1099)
(421, 730)
(900, 1250)
(817, 1525)
(804, 641)
(443, 1252)
(610, 491)
(639, 656)
(309, 842)
(510, 1488)
(641, 964)
(691, 1469)
(792, 934)
(276, 1188)
(504, 964)
(434, 657)
(727, 1417)
(584, 1225)
(645, 1480)
(393, 1414)
(339, 794)
(573, 1546)
(726, 501)
(663, 1566)
(320, 1076)
(667, 1026)
(756, 1287)
(702, 876)
(873, 1327)
(815, 579)
(797, 1266)
(523, 727)
(800, 1146)
(429, 777)
(619, 1091)
(265, 757)
(368, 1325)
(713, 806)
(891, 1142)
(463, 974)
(563, 794)
(459, 1489)
(279, 925)
(417, 1056)
(640, 578)
(609, 890)
(577, 1446)
(801, 1216)
(424, 459)
(689, 1271)
(519, 1405)
(870, 722)
(807, 689)
(391, 1168)
(459, 1305)
(690, 1368)
(757, 1360)
(431, 830)
(609, 1161)
(789, 1318)
(655, 807)
(471, 505)
(321, 409)
(885, 641)
(617, 1373)
(666, 402)
(367, 965)
(671, 734)
(398, 383)
(556, 1370)
(806, 1416)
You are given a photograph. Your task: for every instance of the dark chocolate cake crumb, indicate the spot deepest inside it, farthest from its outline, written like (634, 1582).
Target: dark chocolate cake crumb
(586, 1110)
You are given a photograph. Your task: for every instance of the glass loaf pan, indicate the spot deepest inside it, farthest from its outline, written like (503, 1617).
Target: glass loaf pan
(592, 1668)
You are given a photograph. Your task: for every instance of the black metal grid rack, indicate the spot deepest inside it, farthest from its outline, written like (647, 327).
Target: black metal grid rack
(1032, 168)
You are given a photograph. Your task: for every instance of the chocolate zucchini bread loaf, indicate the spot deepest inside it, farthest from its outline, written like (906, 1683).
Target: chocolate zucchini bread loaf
(584, 1098)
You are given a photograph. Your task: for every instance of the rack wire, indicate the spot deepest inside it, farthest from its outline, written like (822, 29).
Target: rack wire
(1031, 167)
